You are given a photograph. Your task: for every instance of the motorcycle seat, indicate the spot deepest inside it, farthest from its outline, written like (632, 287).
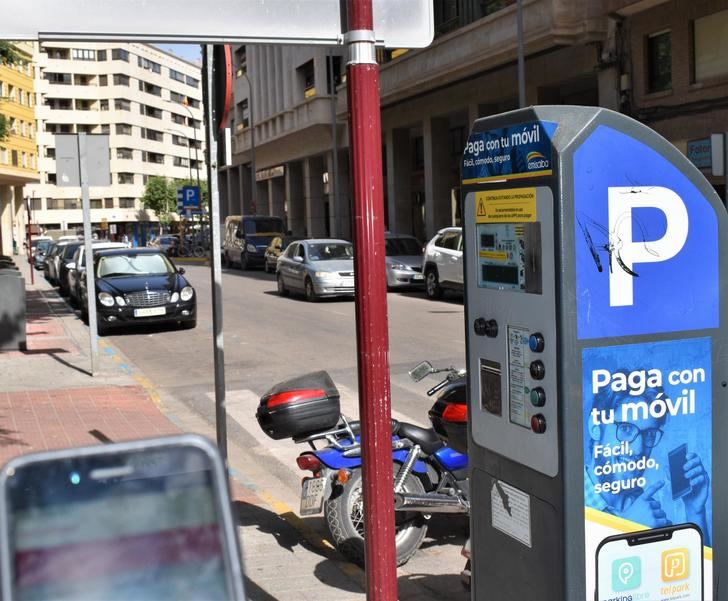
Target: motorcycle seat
(356, 427)
(427, 438)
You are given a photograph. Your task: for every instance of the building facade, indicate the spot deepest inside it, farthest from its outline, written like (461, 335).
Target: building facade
(661, 61)
(148, 101)
(18, 152)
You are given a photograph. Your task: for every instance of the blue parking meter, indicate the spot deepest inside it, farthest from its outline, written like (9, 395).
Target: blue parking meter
(596, 353)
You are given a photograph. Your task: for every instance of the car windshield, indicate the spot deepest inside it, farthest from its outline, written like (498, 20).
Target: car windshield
(328, 252)
(262, 226)
(134, 264)
(42, 245)
(397, 247)
(69, 250)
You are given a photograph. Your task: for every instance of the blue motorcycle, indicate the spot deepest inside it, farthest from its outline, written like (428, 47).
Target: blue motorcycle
(430, 476)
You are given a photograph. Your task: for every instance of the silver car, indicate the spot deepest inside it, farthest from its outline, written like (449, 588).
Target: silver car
(404, 261)
(318, 268)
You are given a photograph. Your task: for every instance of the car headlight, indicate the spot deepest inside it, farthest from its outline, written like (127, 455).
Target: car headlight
(106, 299)
(399, 267)
(326, 275)
(174, 298)
(186, 293)
(120, 301)
(251, 248)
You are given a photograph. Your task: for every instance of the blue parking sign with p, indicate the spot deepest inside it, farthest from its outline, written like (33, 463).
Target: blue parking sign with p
(646, 242)
(188, 199)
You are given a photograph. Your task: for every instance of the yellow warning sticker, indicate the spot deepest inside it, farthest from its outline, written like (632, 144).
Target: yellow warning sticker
(496, 255)
(506, 206)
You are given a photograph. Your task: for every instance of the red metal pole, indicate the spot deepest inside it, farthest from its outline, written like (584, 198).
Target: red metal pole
(371, 303)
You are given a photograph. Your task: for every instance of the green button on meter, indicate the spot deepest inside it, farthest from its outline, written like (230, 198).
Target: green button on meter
(538, 397)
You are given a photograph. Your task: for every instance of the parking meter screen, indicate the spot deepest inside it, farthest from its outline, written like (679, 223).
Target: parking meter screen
(141, 526)
(656, 565)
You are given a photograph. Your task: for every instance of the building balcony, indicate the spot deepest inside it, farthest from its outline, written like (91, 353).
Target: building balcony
(630, 7)
(491, 42)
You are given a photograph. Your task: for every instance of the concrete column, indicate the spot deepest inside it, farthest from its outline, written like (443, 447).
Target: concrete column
(6, 222)
(277, 196)
(313, 168)
(247, 190)
(234, 196)
(263, 207)
(295, 199)
(399, 181)
(609, 92)
(20, 216)
(437, 169)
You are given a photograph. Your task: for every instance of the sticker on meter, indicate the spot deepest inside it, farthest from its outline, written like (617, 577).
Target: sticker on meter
(511, 511)
(517, 345)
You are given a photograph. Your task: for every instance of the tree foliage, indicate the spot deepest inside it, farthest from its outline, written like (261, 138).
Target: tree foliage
(9, 55)
(160, 195)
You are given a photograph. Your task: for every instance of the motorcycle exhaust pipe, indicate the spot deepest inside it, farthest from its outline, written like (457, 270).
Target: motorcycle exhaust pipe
(432, 503)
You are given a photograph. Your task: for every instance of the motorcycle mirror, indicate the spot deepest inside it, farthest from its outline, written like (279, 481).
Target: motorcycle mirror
(421, 370)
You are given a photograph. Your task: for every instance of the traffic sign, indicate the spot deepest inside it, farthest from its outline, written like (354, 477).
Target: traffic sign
(397, 24)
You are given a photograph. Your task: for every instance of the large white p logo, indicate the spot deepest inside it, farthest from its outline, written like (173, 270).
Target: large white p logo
(625, 251)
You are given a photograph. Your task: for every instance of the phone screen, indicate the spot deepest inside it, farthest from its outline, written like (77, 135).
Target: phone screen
(665, 564)
(141, 525)
(679, 483)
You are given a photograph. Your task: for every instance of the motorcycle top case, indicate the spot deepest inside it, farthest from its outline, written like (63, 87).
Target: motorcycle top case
(449, 416)
(299, 407)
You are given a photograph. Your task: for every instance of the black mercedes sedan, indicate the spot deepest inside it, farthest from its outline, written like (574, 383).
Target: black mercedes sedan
(139, 286)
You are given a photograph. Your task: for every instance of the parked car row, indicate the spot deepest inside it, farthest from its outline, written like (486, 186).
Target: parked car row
(134, 286)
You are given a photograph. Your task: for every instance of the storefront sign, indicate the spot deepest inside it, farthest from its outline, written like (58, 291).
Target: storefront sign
(699, 153)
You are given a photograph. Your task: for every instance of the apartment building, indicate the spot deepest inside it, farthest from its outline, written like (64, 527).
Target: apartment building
(148, 101)
(18, 151)
(294, 101)
(674, 76)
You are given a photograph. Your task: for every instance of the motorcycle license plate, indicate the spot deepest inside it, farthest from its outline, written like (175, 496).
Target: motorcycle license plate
(312, 495)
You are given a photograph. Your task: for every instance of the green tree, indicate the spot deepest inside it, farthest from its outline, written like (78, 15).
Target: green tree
(160, 195)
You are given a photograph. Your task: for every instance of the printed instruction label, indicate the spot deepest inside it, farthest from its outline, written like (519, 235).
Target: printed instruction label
(517, 205)
(511, 509)
(517, 341)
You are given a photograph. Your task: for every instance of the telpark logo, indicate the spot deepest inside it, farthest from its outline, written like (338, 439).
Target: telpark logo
(535, 160)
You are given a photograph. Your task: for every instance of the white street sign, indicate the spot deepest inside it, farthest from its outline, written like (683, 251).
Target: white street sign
(397, 23)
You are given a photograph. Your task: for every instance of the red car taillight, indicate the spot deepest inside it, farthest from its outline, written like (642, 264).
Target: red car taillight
(309, 463)
(455, 413)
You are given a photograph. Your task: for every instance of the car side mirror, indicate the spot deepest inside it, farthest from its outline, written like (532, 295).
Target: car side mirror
(181, 270)
(298, 259)
(71, 265)
(238, 234)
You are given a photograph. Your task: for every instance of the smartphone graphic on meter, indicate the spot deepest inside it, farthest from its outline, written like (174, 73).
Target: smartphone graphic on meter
(664, 564)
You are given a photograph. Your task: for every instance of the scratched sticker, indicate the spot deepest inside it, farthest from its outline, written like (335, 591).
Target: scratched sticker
(511, 511)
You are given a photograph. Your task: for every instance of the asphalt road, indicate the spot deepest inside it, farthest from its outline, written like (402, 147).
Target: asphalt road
(267, 339)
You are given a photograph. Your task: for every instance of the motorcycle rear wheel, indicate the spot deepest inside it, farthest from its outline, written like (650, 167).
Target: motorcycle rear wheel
(344, 512)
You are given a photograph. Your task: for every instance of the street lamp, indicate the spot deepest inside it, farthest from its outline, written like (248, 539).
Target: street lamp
(254, 192)
(194, 133)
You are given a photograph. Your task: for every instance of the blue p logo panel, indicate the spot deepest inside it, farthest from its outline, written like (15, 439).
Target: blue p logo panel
(646, 242)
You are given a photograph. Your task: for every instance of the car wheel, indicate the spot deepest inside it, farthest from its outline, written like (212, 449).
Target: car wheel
(432, 284)
(244, 264)
(311, 295)
(282, 290)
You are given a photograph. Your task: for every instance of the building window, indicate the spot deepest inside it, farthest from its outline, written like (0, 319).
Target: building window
(123, 129)
(54, 78)
(36, 204)
(108, 203)
(150, 88)
(119, 54)
(191, 81)
(83, 54)
(178, 119)
(50, 153)
(710, 35)
(121, 80)
(101, 55)
(241, 60)
(106, 128)
(152, 134)
(659, 62)
(150, 111)
(95, 203)
(446, 16)
(54, 203)
(124, 153)
(307, 79)
(153, 157)
(179, 140)
(145, 63)
(176, 75)
(178, 98)
(126, 203)
(122, 104)
(103, 80)
(125, 178)
(181, 162)
(243, 116)
(71, 203)
(103, 105)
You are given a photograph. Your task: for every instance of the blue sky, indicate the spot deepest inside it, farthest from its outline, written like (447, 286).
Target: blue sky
(190, 52)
